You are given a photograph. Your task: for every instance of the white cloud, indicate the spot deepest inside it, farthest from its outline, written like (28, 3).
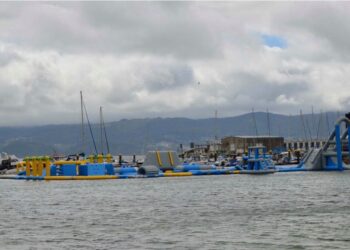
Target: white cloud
(146, 59)
(283, 99)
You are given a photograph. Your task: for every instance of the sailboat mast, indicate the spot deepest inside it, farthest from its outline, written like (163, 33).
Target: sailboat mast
(313, 123)
(105, 133)
(269, 128)
(254, 122)
(216, 137)
(303, 124)
(82, 123)
(101, 129)
(268, 121)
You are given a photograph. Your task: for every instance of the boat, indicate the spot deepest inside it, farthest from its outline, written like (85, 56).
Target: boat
(7, 161)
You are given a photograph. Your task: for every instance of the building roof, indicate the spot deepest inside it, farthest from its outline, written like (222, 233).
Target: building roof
(253, 136)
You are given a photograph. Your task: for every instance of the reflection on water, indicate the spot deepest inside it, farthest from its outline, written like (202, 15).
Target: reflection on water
(279, 211)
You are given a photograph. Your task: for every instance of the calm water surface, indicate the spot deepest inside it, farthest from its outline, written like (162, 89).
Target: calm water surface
(280, 211)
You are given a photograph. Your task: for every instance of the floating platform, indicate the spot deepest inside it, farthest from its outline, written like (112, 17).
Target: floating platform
(258, 172)
(58, 178)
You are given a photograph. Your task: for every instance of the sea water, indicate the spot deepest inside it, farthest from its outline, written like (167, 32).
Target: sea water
(305, 210)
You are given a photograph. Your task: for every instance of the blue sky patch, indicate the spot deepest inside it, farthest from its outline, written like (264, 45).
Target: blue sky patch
(274, 41)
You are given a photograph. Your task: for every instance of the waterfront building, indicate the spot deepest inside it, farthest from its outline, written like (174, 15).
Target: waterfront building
(240, 144)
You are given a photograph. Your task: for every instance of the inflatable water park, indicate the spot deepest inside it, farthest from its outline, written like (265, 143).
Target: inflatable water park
(330, 157)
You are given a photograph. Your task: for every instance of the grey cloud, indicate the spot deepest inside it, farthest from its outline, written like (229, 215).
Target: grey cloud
(146, 59)
(260, 88)
(7, 57)
(162, 77)
(327, 23)
(114, 28)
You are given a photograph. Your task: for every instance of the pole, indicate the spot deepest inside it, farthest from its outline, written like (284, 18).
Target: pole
(101, 130)
(339, 147)
(82, 123)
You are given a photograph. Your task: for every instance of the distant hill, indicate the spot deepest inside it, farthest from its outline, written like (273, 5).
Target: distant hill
(136, 136)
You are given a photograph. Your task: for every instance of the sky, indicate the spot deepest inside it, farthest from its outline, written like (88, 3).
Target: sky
(171, 59)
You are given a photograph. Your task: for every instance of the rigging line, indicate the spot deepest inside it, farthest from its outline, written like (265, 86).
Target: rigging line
(82, 123)
(107, 144)
(101, 130)
(303, 124)
(269, 129)
(328, 127)
(308, 129)
(312, 122)
(268, 121)
(289, 125)
(319, 125)
(254, 121)
(92, 135)
(255, 126)
(105, 132)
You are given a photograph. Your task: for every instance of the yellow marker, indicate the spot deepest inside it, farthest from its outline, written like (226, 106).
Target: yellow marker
(159, 159)
(47, 166)
(18, 165)
(65, 178)
(99, 158)
(180, 174)
(40, 166)
(109, 158)
(34, 166)
(91, 158)
(171, 158)
(27, 159)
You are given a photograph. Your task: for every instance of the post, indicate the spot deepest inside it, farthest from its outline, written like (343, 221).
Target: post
(91, 158)
(338, 147)
(109, 158)
(100, 158)
(256, 156)
(27, 160)
(17, 168)
(34, 167)
(47, 166)
(40, 166)
(348, 128)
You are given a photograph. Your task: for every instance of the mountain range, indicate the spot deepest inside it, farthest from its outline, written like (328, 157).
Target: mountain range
(137, 136)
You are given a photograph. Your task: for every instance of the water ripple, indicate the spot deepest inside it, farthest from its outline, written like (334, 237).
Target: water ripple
(281, 211)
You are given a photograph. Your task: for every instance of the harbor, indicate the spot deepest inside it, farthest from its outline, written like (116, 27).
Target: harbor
(195, 125)
(334, 155)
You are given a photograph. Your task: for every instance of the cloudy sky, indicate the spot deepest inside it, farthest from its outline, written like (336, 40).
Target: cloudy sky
(171, 59)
